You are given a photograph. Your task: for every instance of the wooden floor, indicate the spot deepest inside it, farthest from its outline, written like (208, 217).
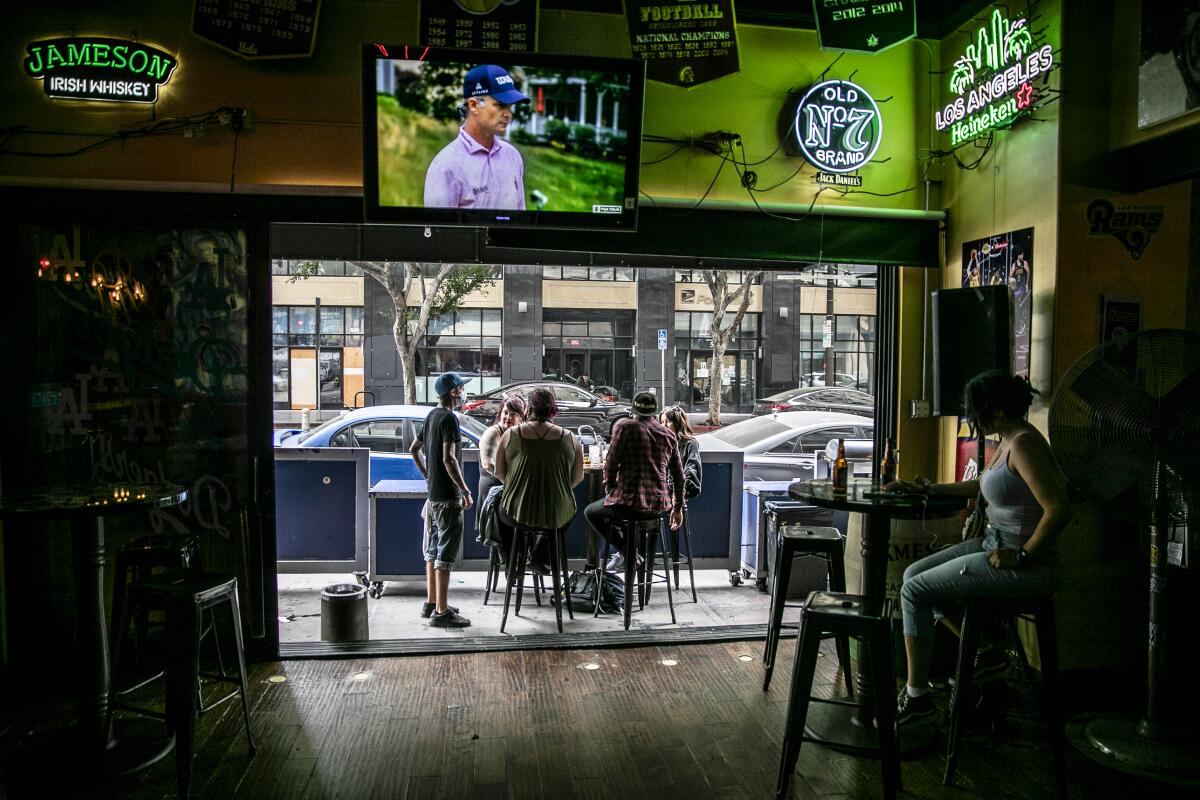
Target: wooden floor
(537, 724)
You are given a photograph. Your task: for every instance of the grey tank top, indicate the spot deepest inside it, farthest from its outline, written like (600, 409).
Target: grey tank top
(1012, 508)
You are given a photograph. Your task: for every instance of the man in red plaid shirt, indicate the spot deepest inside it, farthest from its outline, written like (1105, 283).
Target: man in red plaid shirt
(643, 475)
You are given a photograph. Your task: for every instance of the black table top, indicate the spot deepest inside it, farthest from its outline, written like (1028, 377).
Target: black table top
(94, 500)
(865, 496)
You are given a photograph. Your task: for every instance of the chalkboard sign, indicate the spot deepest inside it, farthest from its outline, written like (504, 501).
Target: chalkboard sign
(480, 24)
(864, 26)
(685, 44)
(259, 28)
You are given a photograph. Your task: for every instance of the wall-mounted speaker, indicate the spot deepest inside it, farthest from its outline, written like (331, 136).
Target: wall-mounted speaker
(972, 332)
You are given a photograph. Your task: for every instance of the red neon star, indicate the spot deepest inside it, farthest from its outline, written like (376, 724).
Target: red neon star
(1024, 96)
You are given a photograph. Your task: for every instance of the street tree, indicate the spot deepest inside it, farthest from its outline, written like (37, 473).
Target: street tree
(724, 326)
(439, 290)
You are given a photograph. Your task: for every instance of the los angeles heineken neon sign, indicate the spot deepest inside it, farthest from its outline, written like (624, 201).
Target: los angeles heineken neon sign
(96, 68)
(993, 80)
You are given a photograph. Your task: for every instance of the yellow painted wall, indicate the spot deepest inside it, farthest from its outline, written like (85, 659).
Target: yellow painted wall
(1013, 186)
(332, 291)
(587, 294)
(304, 129)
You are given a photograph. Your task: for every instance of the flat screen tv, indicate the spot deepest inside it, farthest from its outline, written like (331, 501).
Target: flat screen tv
(500, 139)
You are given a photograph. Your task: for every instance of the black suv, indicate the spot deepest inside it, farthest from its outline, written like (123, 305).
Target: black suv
(576, 406)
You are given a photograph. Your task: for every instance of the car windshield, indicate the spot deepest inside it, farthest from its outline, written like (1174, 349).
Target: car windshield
(745, 433)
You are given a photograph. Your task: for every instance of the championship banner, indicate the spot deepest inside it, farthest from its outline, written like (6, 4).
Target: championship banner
(480, 24)
(864, 26)
(258, 30)
(684, 43)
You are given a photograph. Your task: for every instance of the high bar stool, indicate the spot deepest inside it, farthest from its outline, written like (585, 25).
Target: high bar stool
(186, 595)
(1041, 611)
(136, 561)
(799, 541)
(493, 574)
(640, 537)
(842, 614)
(676, 559)
(518, 567)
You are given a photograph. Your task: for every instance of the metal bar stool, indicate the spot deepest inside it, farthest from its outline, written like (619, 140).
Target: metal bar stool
(518, 567)
(640, 537)
(186, 595)
(794, 541)
(684, 530)
(829, 612)
(136, 561)
(1041, 611)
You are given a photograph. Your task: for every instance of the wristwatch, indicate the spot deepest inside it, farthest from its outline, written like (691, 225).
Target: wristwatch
(1023, 557)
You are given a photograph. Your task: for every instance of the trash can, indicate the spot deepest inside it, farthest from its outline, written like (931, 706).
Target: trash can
(344, 613)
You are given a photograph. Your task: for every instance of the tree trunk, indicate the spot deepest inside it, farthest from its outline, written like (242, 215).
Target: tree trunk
(407, 360)
(715, 382)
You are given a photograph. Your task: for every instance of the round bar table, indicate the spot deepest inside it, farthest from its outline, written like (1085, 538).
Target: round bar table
(85, 507)
(852, 728)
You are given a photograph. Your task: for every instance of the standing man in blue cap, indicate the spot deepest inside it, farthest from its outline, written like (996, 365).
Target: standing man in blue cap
(479, 169)
(449, 498)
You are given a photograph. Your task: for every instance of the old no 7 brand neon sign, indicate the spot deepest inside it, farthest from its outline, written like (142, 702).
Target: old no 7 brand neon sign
(993, 80)
(838, 126)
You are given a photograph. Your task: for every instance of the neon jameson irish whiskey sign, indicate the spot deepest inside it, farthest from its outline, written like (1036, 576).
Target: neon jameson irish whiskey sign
(95, 68)
(993, 80)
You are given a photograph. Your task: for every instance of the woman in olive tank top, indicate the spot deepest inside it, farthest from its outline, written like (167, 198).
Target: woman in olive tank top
(540, 464)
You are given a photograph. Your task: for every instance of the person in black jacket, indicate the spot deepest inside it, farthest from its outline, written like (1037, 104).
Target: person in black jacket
(689, 449)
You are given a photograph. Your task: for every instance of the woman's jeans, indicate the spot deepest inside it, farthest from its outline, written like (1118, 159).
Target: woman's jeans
(938, 585)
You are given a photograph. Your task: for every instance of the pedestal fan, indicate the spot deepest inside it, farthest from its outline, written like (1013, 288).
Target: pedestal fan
(1125, 428)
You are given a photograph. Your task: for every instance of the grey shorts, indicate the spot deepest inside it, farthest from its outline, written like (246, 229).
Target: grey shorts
(443, 532)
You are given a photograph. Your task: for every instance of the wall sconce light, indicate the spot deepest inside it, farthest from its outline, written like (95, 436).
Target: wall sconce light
(522, 307)
(783, 312)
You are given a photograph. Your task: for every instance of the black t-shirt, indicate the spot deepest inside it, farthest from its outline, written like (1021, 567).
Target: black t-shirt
(440, 426)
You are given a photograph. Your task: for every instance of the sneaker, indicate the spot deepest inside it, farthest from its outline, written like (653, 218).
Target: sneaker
(617, 563)
(427, 609)
(988, 664)
(910, 709)
(451, 619)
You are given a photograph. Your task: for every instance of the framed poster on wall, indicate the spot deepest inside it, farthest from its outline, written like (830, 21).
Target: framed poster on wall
(1005, 258)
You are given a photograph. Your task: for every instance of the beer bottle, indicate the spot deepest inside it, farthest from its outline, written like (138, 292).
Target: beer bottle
(887, 467)
(841, 470)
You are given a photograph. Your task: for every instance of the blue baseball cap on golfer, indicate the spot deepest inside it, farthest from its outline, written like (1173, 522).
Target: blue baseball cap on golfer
(493, 81)
(448, 382)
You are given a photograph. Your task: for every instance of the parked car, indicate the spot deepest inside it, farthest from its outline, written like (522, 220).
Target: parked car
(576, 406)
(818, 398)
(782, 447)
(386, 430)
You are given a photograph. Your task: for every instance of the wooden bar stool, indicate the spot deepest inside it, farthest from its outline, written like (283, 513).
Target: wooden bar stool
(797, 541)
(1041, 611)
(841, 614)
(186, 596)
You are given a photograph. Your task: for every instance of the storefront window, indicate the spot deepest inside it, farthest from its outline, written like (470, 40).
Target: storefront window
(596, 343)
(853, 351)
(467, 342)
(589, 273)
(737, 378)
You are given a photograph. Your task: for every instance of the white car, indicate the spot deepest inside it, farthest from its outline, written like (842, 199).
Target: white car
(782, 447)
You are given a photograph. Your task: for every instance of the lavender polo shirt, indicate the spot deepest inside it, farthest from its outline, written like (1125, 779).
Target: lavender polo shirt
(465, 174)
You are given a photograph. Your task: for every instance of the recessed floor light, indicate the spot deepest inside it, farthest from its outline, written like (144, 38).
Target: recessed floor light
(591, 665)
(745, 657)
(277, 679)
(669, 662)
(360, 676)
